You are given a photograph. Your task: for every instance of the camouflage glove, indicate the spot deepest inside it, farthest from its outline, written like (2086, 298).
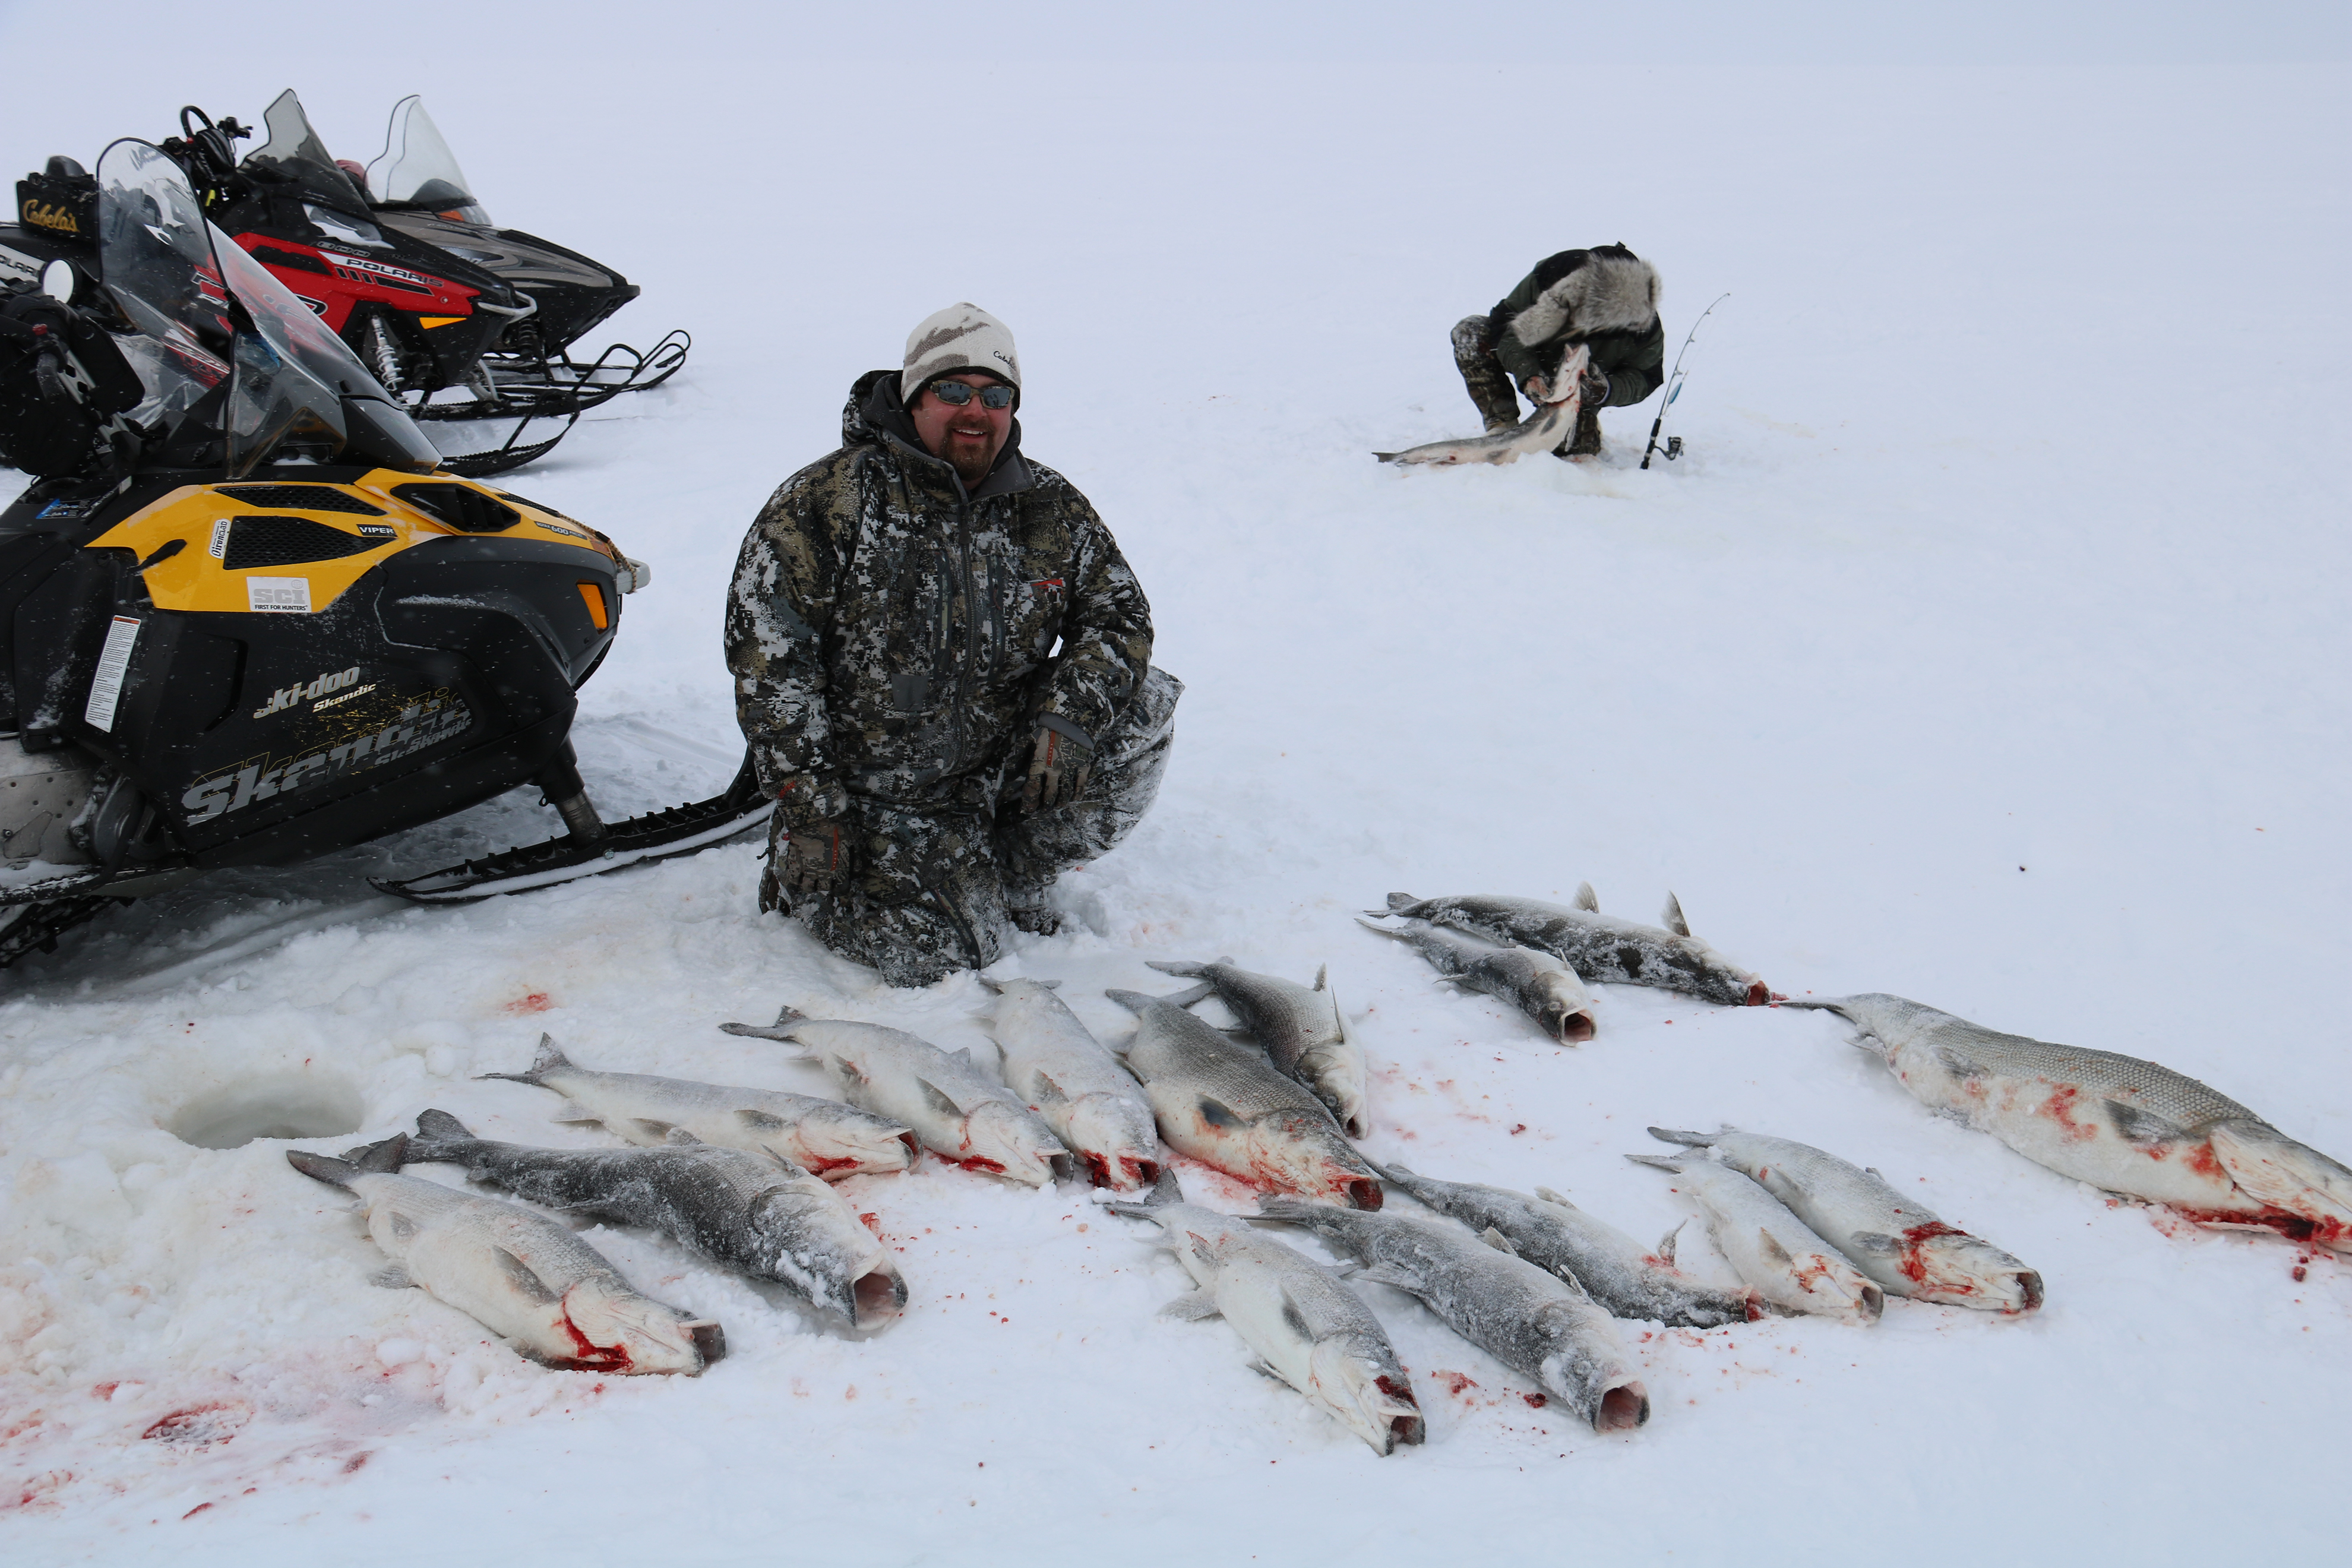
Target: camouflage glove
(1058, 769)
(817, 857)
(1592, 388)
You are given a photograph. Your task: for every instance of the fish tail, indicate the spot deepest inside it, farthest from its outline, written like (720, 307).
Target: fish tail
(547, 1058)
(439, 1124)
(1282, 1209)
(1165, 1191)
(1133, 1001)
(1398, 904)
(787, 1018)
(322, 1167)
(1382, 930)
(1663, 1162)
(1689, 1139)
(1183, 967)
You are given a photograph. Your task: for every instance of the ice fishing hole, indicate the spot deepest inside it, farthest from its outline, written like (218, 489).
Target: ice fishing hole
(276, 1105)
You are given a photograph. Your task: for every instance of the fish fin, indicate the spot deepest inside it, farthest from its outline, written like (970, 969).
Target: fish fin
(1668, 1242)
(936, 1100)
(1663, 1162)
(440, 1124)
(962, 1053)
(1048, 1092)
(1282, 1209)
(1874, 1170)
(1295, 1319)
(322, 1167)
(1587, 900)
(1266, 1371)
(780, 1029)
(1192, 996)
(382, 1159)
(1192, 1307)
(1379, 930)
(1552, 1197)
(995, 985)
(1133, 1001)
(392, 1277)
(402, 1227)
(519, 1275)
(1216, 1113)
(759, 1121)
(1955, 1064)
(649, 1127)
(1167, 1190)
(2138, 1126)
(547, 1058)
(1876, 1243)
(1690, 1140)
(572, 1112)
(1672, 917)
(1322, 974)
(1498, 1240)
(1051, 985)
(1398, 904)
(679, 1137)
(1772, 1247)
(1186, 968)
(1387, 1274)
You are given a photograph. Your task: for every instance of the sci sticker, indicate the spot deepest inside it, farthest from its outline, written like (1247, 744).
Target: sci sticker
(113, 664)
(277, 596)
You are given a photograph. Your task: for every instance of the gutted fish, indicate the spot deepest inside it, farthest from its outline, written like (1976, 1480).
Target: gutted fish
(1302, 1030)
(1537, 983)
(2120, 1123)
(1907, 1250)
(1092, 1103)
(1308, 1330)
(1225, 1105)
(752, 1213)
(1630, 1279)
(518, 1274)
(1533, 1322)
(1770, 1247)
(959, 1111)
(1601, 948)
(823, 1137)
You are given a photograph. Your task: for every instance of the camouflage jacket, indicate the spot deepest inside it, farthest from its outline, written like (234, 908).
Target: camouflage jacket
(893, 637)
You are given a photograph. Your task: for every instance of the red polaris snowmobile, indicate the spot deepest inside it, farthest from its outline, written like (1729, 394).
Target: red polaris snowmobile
(250, 619)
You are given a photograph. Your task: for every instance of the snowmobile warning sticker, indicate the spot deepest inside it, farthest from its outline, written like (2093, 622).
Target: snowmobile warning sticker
(277, 596)
(113, 664)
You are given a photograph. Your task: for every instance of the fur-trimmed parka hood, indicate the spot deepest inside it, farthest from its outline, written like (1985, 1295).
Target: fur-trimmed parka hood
(1580, 293)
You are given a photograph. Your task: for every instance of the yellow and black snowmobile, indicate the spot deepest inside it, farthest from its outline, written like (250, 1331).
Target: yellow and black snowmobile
(249, 619)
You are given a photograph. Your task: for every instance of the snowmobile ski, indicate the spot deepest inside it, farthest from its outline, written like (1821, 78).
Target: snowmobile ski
(1674, 390)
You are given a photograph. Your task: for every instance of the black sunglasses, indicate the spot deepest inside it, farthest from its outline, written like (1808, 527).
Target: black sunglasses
(956, 394)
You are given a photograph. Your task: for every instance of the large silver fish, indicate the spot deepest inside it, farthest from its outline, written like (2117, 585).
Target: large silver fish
(1225, 1104)
(752, 1213)
(1770, 1247)
(1533, 1322)
(959, 1111)
(1907, 1250)
(1308, 1330)
(1301, 1028)
(1537, 983)
(1601, 948)
(823, 1137)
(1630, 1279)
(1092, 1103)
(2120, 1123)
(518, 1274)
(1543, 430)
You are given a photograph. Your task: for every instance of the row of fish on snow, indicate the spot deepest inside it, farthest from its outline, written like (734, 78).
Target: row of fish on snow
(741, 1175)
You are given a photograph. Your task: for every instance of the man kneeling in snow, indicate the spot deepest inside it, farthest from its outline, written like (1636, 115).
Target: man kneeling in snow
(1607, 298)
(937, 762)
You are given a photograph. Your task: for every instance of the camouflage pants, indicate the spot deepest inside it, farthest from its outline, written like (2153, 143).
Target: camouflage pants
(1497, 399)
(933, 884)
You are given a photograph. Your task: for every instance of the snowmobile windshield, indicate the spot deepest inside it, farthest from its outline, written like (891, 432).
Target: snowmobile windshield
(294, 156)
(418, 171)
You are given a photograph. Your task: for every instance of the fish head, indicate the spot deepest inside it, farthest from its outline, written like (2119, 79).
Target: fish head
(1358, 1381)
(1007, 1140)
(1303, 1153)
(1965, 1270)
(1564, 1009)
(1114, 1141)
(878, 1297)
(1596, 1385)
(613, 1329)
(838, 1141)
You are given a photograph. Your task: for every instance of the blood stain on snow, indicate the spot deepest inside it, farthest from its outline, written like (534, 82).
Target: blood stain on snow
(537, 1002)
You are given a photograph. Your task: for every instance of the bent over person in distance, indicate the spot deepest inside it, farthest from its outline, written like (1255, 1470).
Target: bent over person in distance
(944, 667)
(1606, 298)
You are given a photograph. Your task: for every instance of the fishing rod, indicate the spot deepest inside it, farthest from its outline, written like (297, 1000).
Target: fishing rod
(1674, 390)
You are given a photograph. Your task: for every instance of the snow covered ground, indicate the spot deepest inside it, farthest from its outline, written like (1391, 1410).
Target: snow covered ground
(1987, 648)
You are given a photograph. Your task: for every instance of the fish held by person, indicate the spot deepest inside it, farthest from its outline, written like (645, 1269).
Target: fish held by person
(518, 1274)
(1551, 424)
(959, 1111)
(1092, 1103)
(1301, 1028)
(823, 1137)
(1903, 1246)
(1535, 982)
(1770, 1247)
(2121, 1123)
(752, 1213)
(1601, 948)
(1307, 1328)
(1226, 1105)
(1534, 1321)
(1548, 1231)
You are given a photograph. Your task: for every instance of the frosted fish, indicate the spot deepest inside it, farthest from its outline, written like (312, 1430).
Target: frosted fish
(1543, 430)
(518, 1274)
(823, 1137)
(1537, 983)
(1907, 1250)
(752, 1213)
(2120, 1123)
(1551, 1232)
(1092, 1103)
(1535, 1323)
(1302, 1030)
(1225, 1105)
(1307, 1328)
(1601, 948)
(959, 1111)
(1770, 1247)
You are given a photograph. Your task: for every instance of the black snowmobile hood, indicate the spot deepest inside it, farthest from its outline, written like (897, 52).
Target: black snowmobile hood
(875, 415)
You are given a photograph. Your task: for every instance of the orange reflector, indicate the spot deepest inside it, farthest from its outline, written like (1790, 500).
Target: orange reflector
(594, 596)
(437, 321)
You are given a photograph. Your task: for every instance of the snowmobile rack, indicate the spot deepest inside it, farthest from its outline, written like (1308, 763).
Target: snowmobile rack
(529, 388)
(656, 835)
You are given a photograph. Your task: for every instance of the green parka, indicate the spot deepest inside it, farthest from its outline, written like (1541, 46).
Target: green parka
(1606, 296)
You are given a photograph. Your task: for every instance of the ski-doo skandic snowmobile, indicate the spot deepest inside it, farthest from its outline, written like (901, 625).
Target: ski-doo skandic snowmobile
(249, 617)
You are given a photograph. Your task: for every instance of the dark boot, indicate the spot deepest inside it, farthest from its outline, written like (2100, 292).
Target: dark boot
(1483, 374)
(1586, 440)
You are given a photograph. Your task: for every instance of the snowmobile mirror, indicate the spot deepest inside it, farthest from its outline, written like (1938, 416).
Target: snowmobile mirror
(58, 281)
